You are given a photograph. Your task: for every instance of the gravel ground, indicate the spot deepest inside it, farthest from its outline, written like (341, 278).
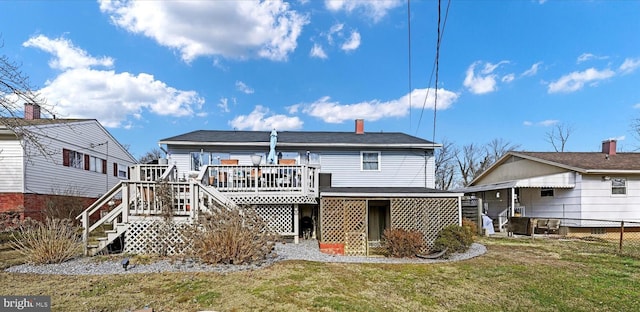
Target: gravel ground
(306, 250)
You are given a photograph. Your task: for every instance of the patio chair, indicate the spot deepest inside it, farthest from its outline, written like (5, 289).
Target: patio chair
(553, 226)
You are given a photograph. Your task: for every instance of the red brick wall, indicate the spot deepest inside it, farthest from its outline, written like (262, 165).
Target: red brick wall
(30, 205)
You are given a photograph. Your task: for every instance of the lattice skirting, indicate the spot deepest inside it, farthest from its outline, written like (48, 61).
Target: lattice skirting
(344, 220)
(279, 218)
(155, 237)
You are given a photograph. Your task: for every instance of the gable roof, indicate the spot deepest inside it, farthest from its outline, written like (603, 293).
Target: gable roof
(586, 162)
(300, 138)
(582, 162)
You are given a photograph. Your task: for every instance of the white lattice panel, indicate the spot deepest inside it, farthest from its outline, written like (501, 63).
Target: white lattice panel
(279, 218)
(154, 237)
(252, 199)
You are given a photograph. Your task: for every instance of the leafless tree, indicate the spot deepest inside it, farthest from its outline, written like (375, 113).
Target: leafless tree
(15, 92)
(445, 166)
(473, 160)
(559, 134)
(153, 154)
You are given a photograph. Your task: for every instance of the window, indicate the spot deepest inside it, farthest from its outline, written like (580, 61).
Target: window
(72, 159)
(120, 171)
(199, 159)
(618, 186)
(97, 164)
(546, 192)
(370, 160)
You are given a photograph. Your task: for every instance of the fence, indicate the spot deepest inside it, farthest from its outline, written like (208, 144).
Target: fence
(611, 236)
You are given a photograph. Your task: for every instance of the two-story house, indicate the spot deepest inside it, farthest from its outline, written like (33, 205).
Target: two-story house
(343, 188)
(43, 159)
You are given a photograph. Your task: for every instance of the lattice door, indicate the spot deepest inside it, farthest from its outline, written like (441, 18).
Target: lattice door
(355, 217)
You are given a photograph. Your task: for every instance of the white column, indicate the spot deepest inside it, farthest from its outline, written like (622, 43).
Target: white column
(296, 224)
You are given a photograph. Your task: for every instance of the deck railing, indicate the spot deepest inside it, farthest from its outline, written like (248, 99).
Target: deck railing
(265, 178)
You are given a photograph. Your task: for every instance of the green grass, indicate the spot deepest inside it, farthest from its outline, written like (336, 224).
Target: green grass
(514, 275)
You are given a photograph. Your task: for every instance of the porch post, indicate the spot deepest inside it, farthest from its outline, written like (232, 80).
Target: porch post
(125, 202)
(296, 224)
(513, 201)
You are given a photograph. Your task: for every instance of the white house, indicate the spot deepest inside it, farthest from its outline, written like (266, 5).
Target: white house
(58, 157)
(343, 188)
(583, 189)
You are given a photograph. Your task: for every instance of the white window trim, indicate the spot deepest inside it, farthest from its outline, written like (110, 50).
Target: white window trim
(626, 187)
(370, 152)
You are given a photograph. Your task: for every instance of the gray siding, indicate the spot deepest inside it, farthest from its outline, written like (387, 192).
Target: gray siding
(47, 175)
(405, 168)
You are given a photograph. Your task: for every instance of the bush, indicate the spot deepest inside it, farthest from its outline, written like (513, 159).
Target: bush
(453, 238)
(53, 241)
(401, 243)
(231, 236)
(473, 227)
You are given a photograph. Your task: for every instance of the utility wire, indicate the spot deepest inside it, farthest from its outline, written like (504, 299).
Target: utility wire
(433, 70)
(409, 43)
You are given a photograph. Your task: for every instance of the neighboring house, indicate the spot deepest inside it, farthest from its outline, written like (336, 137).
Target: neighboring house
(343, 188)
(578, 188)
(59, 157)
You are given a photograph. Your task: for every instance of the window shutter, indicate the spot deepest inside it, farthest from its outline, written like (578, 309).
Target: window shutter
(86, 162)
(104, 166)
(115, 169)
(65, 157)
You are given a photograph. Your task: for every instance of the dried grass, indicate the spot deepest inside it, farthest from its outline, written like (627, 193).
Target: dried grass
(53, 241)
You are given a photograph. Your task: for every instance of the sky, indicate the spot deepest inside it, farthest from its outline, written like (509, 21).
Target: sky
(509, 70)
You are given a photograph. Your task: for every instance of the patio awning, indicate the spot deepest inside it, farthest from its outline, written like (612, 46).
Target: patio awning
(560, 180)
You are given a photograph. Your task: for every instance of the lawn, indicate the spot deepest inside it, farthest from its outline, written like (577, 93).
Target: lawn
(514, 275)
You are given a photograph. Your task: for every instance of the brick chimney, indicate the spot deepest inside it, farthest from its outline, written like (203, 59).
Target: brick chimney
(359, 126)
(31, 111)
(609, 147)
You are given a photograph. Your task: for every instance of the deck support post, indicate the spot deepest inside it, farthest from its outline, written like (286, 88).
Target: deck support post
(296, 224)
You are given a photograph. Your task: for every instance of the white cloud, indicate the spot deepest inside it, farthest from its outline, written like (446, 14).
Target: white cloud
(261, 118)
(483, 82)
(548, 122)
(508, 78)
(66, 55)
(544, 123)
(318, 52)
(334, 112)
(375, 10)
(82, 92)
(576, 80)
(353, 42)
(232, 29)
(588, 56)
(532, 70)
(636, 105)
(242, 87)
(224, 105)
(111, 97)
(630, 65)
(335, 29)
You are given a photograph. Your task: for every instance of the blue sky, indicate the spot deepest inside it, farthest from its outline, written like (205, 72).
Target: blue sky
(508, 70)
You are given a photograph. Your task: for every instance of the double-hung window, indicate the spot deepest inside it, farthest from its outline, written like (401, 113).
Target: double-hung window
(370, 161)
(618, 186)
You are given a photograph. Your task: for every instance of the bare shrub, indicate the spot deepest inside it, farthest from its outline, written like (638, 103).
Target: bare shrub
(53, 241)
(231, 236)
(472, 226)
(65, 204)
(401, 243)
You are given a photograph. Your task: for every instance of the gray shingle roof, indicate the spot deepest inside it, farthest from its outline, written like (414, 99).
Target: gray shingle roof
(588, 161)
(299, 138)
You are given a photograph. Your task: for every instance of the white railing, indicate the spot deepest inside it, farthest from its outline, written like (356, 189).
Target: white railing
(266, 178)
(503, 219)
